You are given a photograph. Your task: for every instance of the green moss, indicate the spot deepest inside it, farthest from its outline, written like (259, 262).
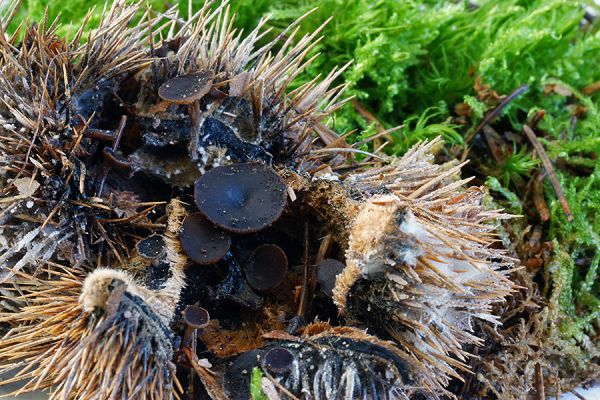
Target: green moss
(256, 391)
(72, 13)
(514, 204)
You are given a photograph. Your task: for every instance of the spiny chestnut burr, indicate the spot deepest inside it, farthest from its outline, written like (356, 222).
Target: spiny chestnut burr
(335, 363)
(211, 116)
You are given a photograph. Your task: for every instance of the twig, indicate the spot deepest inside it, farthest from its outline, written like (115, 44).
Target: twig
(119, 133)
(326, 244)
(371, 118)
(539, 383)
(488, 134)
(341, 150)
(305, 277)
(580, 397)
(549, 170)
(591, 88)
(280, 386)
(366, 114)
(538, 198)
(116, 143)
(537, 118)
(494, 113)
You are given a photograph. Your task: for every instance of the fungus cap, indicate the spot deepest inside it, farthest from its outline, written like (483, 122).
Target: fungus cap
(186, 89)
(327, 271)
(278, 359)
(196, 317)
(267, 267)
(152, 248)
(203, 242)
(241, 198)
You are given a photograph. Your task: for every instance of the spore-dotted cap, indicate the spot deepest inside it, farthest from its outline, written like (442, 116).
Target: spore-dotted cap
(186, 89)
(152, 248)
(241, 198)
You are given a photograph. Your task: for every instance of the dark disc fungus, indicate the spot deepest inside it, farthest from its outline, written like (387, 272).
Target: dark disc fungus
(278, 359)
(152, 248)
(186, 89)
(196, 317)
(201, 241)
(327, 271)
(241, 198)
(266, 267)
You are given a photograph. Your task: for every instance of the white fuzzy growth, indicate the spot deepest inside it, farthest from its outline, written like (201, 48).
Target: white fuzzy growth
(414, 228)
(328, 176)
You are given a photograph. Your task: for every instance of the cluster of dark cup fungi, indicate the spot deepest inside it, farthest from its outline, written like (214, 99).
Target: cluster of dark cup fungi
(255, 255)
(237, 199)
(257, 258)
(248, 246)
(234, 202)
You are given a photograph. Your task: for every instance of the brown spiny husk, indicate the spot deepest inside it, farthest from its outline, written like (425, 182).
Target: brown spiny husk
(421, 263)
(56, 342)
(99, 336)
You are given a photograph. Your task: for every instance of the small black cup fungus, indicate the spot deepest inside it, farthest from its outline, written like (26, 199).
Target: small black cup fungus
(241, 198)
(195, 316)
(327, 271)
(201, 241)
(278, 360)
(186, 89)
(152, 248)
(266, 267)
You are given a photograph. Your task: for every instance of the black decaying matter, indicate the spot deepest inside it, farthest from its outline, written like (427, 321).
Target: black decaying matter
(334, 364)
(327, 272)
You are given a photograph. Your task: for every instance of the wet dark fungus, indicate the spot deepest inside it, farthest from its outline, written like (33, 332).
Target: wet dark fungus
(267, 267)
(241, 198)
(235, 288)
(327, 271)
(201, 241)
(152, 248)
(278, 359)
(187, 88)
(196, 317)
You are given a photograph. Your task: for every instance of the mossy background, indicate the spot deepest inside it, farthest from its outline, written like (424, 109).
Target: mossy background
(421, 64)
